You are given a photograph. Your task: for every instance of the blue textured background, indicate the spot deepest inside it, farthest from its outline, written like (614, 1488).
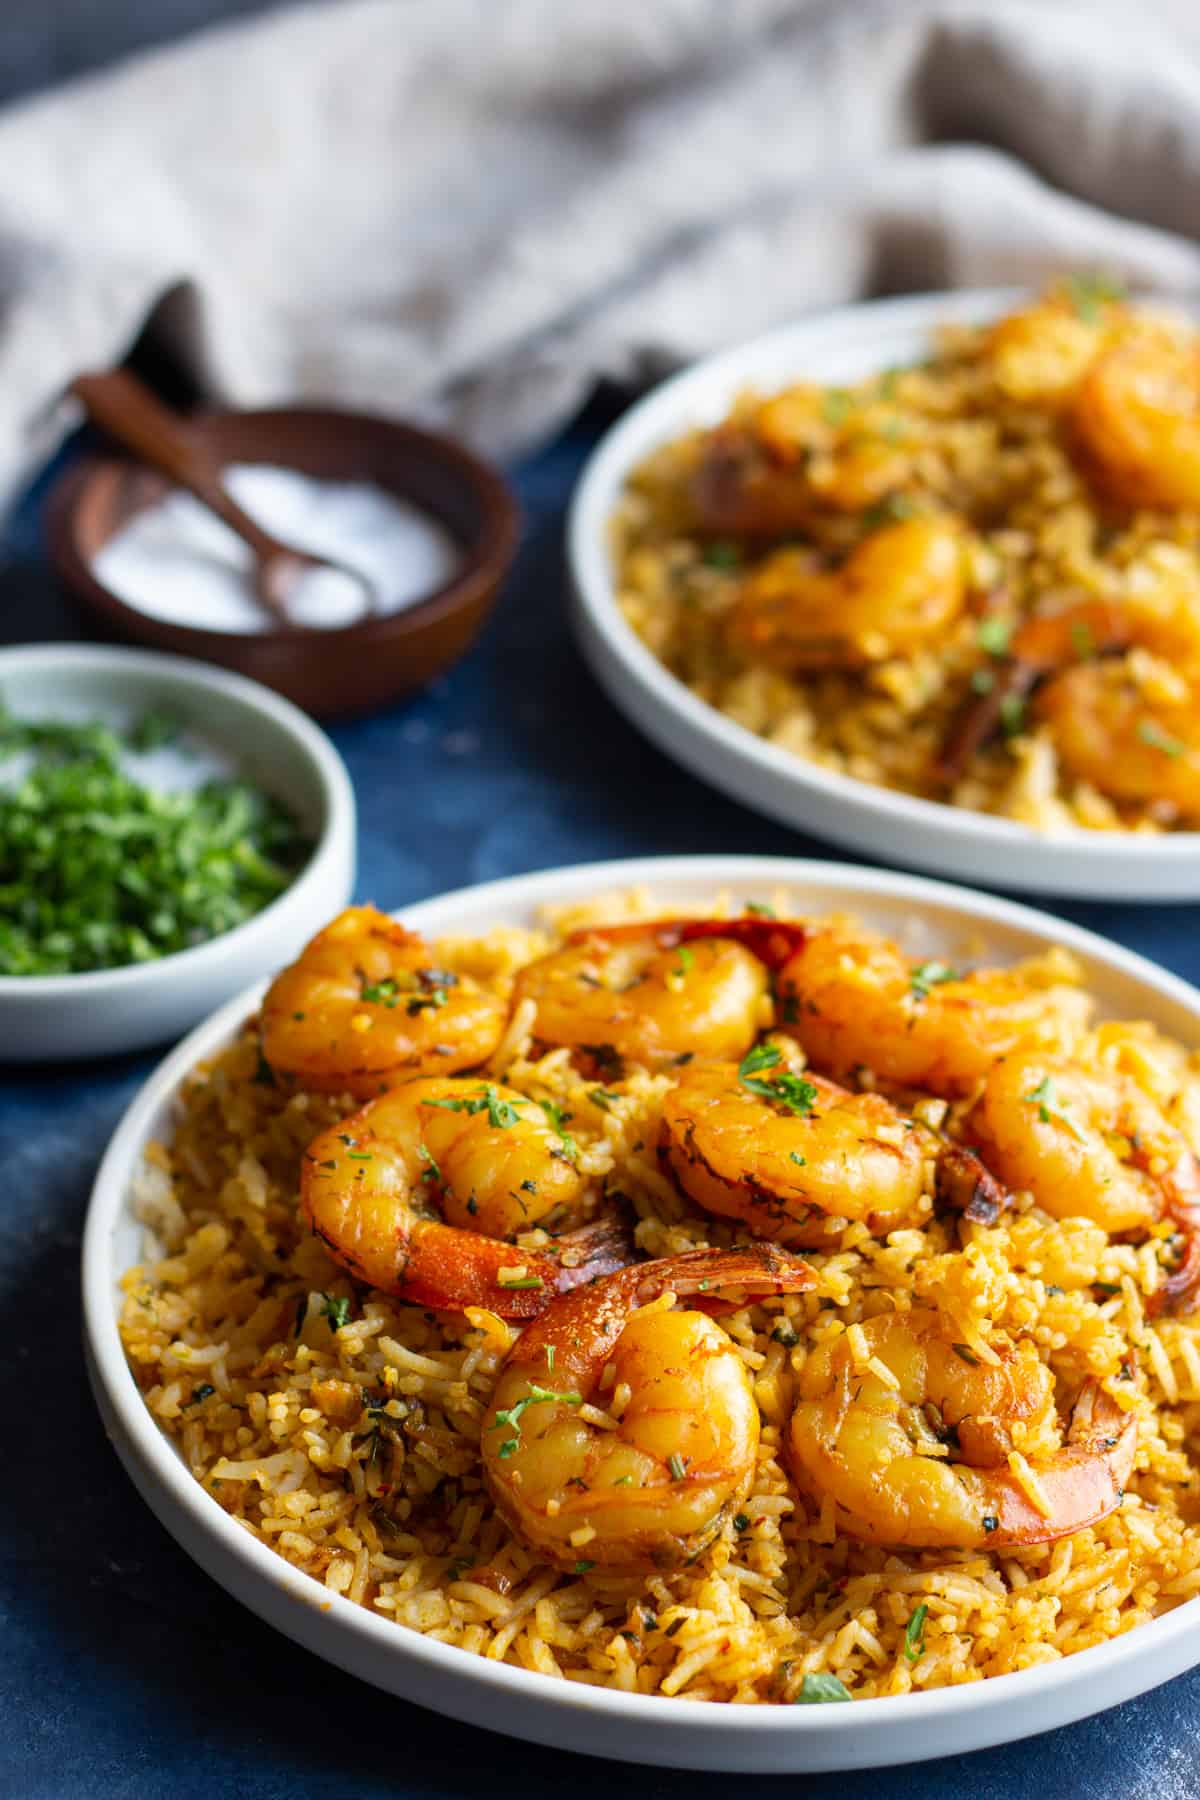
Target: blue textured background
(123, 1670)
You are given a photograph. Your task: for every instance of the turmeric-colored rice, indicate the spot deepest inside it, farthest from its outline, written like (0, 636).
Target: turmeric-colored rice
(341, 1427)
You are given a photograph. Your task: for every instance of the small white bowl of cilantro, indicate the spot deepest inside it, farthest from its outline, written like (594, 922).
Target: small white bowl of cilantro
(168, 833)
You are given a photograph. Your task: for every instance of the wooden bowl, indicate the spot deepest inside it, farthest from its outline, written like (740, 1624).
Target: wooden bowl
(342, 671)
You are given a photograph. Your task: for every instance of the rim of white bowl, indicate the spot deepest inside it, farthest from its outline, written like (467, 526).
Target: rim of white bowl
(160, 1461)
(588, 558)
(310, 743)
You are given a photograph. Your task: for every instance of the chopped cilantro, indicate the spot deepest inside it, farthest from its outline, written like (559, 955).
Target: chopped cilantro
(722, 556)
(501, 1113)
(760, 909)
(1012, 714)
(381, 993)
(1045, 1097)
(793, 1092)
(800, 1161)
(1090, 293)
(741, 1522)
(99, 870)
(993, 635)
(511, 1415)
(1158, 739)
(928, 975)
(677, 1466)
(582, 1566)
(336, 1309)
(558, 1120)
(889, 511)
(815, 1690)
(686, 959)
(914, 1636)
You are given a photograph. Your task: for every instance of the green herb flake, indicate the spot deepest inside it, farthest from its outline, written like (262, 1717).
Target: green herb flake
(991, 1523)
(677, 1466)
(967, 1355)
(836, 406)
(524, 1281)
(582, 1566)
(760, 909)
(336, 1309)
(1157, 739)
(816, 1690)
(1090, 293)
(801, 1162)
(381, 993)
(929, 975)
(890, 511)
(511, 1415)
(202, 1393)
(722, 555)
(793, 1092)
(1012, 715)
(558, 1121)
(993, 635)
(686, 959)
(914, 1636)
(741, 1522)
(430, 1172)
(1050, 1109)
(982, 681)
(1083, 642)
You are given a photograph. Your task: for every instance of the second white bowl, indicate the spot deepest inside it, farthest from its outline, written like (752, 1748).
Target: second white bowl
(839, 347)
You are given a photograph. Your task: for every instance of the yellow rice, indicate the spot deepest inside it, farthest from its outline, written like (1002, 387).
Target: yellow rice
(1039, 534)
(352, 1450)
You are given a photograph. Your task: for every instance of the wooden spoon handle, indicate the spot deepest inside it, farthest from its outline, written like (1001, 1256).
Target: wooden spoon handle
(126, 409)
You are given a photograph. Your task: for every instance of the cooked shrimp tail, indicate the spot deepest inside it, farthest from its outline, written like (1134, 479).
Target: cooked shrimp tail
(622, 1433)
(421, 1192)
(773, 941)
(452, 1270)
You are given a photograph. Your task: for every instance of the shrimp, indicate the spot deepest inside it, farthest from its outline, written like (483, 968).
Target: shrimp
(1092, 1145)
(784, 1153)
(919, 1445)
(801, 452)
(1107, 733)
(363, 1005)
(1039, 356)
(648, 1483)
(651, 992)
(855, 1001)
(417, 1192)
(902, 586)
(1136, 421)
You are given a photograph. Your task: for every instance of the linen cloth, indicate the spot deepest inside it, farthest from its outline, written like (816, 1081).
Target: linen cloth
(468, 211)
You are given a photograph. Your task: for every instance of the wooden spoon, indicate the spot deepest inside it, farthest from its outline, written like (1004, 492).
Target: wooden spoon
(125, 409)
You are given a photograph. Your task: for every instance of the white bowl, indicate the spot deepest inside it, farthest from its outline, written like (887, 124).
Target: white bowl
(838, 347)
(932, 919)
(238, 728)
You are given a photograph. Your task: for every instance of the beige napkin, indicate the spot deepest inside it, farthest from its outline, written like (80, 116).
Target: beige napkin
(469, 210)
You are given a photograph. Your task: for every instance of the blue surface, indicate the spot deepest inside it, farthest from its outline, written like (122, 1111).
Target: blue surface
(124, 1671)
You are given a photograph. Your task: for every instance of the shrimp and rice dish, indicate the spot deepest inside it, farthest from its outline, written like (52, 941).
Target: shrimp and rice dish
(726, 1306)
(975, 579)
